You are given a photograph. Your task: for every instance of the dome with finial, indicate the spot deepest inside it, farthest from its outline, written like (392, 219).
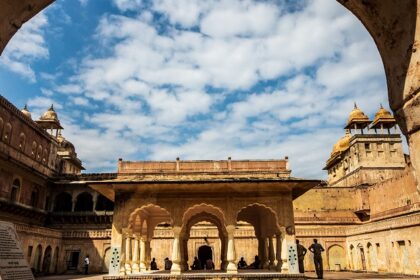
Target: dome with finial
(26, 112)
(357, 117)
(342, 144)
(50, 115)
(383, 117)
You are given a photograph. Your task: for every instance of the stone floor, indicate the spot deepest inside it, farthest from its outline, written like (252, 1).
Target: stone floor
(327, 275)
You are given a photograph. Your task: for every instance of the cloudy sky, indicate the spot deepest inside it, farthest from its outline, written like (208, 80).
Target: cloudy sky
(198, 79)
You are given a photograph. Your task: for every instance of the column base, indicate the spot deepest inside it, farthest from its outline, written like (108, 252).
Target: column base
(143, 267)
(284, 267)
(135, 268)
(176, 269)
(231, 268)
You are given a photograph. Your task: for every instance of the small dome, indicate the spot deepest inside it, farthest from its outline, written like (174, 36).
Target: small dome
(64, 143)
(26, 112)
(50, 115)
(357, 115)
(342, 145)
(383, 114)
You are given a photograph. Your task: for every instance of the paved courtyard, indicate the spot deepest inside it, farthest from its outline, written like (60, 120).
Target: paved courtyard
(327, 275)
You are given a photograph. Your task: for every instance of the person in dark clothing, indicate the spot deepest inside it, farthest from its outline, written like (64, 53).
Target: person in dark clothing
(168, 264)
(256, 264)
(242, 264)
(301, 252)
(209, 264)
(317, 250)
(196, 264)
(153, 265)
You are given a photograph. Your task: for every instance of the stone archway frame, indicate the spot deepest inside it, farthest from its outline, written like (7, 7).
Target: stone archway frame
(332, 266)
(273, 231)
(204, 212)
(149, 216)
(138, 234)
(265, 230)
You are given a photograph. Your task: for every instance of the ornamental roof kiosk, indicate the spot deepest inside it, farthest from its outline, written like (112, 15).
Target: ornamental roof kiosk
(179, 194)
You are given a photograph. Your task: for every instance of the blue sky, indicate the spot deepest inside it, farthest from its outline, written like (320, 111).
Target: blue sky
(154, 80)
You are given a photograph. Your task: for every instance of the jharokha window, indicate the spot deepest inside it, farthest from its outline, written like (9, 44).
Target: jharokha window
(15, 190)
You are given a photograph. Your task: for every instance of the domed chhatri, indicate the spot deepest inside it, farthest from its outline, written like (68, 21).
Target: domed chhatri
(50, 122)
(26, 112)
(50, 114)
(383, 119)
(357, 119)
(342, 144)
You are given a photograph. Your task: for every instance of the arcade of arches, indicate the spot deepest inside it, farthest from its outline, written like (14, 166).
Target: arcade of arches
(201, 193)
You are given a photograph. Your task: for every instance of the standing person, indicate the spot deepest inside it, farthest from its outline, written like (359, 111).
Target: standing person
(301, 252)
(86, 265)
(317, 249)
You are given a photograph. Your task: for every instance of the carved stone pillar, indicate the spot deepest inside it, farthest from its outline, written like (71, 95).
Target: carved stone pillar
(135, 266)
(122, 259)
(184, 253)
(95, 200)
(231, 254)
(271, 255)
(223, 254)
(148, 253)
(176, 252)
(128, 255)
(278, 252)
(264, 247)
(73, 204)
(142, 254)
(284, 254)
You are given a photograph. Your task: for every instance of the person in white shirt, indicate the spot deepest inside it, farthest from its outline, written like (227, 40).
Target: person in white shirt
(87, 262)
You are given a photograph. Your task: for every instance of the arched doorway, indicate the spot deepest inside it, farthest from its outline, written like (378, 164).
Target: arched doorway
(352, 262)
(84, 202)
(267, 233)
(362, 256)
(205, 253)
(63, 202)
(38, 258)
(106, 260)
(138, 242)
(336, 256)
(47, 260)
(55, 260)
(204, 236)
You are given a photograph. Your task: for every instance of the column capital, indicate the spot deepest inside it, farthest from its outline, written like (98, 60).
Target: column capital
(176, 230)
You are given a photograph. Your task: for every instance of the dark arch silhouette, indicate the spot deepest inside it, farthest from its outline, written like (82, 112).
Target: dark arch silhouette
(63, 202)
(204, 253)
(84, 202)
(104, 204)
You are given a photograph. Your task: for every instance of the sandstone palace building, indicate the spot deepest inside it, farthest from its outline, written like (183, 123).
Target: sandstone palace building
(366, 215)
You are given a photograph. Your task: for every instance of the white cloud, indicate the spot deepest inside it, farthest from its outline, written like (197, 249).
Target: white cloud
(246, 79)
(27, 45)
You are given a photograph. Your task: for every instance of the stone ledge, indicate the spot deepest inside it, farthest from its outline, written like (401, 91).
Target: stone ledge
(213, 276)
